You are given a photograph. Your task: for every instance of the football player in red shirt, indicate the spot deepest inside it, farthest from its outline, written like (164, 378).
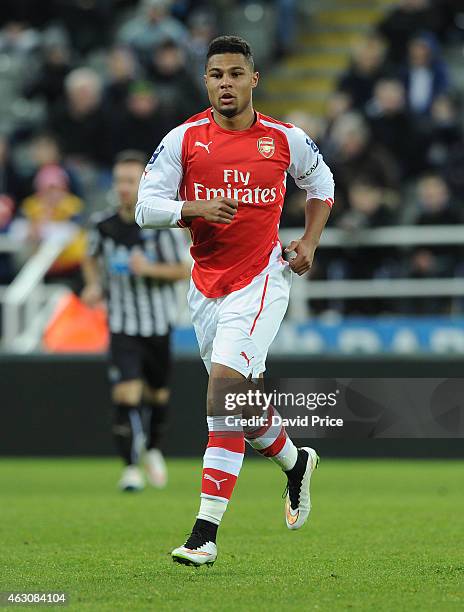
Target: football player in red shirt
(222, 174)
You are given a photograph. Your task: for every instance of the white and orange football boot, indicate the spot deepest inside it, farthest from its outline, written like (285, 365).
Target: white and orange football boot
(297, 498)
(196, 551)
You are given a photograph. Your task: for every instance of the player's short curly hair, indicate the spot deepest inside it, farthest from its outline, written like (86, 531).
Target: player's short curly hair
(230, 44)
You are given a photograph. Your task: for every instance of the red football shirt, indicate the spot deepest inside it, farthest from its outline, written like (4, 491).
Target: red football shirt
(199, 160)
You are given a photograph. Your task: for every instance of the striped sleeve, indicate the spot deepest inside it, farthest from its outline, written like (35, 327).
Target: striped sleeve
(173, 246)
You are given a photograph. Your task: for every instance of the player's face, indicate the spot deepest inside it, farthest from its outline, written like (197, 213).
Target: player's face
(230, 80)
(126, 178)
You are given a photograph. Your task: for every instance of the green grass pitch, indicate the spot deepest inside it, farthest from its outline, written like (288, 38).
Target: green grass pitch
(383, 535)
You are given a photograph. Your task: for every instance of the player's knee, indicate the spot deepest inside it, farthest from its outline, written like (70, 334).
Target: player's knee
(157, 396)
(224, 383)
(129, 393)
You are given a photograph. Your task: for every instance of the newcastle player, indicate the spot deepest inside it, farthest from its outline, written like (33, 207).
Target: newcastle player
(136, 272)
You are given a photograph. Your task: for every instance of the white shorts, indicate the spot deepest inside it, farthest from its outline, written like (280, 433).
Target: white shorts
(237, 330)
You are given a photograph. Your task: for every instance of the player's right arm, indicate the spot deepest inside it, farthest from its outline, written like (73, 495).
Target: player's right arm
(92, 293)
(219, 210)
(158, 205)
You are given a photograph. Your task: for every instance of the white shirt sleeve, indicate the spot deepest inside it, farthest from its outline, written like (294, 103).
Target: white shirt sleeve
(308, 167)
(158, 205)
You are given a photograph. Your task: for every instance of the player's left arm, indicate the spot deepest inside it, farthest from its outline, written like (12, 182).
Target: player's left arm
(316, 213)
(311, 173)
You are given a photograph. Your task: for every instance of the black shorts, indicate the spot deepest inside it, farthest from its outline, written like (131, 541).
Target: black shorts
(137, 357)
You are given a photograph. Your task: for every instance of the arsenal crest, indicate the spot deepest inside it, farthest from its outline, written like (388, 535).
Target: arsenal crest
(266, 146)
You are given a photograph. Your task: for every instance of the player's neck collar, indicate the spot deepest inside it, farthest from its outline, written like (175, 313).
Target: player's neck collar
(255, 123)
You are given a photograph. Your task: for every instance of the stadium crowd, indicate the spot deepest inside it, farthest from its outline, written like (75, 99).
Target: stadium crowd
(83, 81)
(394, 137)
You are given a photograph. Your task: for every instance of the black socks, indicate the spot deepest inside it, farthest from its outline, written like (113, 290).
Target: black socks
(156, 422)
(127, 429)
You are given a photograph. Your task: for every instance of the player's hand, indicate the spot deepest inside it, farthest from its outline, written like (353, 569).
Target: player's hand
(139, 264)
(218, 210)
(304, 256)
(92, 295)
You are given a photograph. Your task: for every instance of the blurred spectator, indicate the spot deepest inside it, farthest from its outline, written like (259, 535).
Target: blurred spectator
(143, 123)
(153, 26)
(441, 131)
(393, 128)
(202, 29)
(11, 184)
(434, 202)
(434, 207)
(366, 209)
(79, 122)
(48, 81)
(18, 39)
(122, 70)
(45, 151)
(368, 65)
(410, 17)
(338, 104)
(356, 155)
(51, 211)
(87, 22)
(426, 75)
(174, 84)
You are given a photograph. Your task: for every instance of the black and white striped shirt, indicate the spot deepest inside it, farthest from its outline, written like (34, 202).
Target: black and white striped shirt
(137, 306)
